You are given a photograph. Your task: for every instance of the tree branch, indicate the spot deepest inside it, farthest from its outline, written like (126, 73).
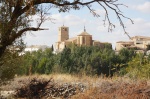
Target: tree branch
(118, 16)
(63, 4)
(92, 11)
(66, 4)
(19, 34)
(107, 18)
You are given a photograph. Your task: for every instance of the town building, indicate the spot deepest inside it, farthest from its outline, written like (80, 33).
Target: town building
(83, 39)
(136, 42)
(33, 48)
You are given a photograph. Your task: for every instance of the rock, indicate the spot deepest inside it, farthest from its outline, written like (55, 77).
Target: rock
(6, 94)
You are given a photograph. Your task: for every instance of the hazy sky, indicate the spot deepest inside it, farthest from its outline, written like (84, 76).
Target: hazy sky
(138, 11)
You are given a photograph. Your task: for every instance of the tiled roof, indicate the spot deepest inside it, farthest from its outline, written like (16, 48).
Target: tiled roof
(84, 33)
(71, 39)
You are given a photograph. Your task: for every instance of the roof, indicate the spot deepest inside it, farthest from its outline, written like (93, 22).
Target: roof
(84, 33)
(71, 39)
(145, 37)
(124, 42)
(96, 41)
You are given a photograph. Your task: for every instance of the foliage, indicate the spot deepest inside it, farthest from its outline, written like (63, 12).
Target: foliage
(37, 62)
(91, 60)
(139, 67)
(9, 66)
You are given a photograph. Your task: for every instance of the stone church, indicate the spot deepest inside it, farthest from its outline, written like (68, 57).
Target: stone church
(83, 39)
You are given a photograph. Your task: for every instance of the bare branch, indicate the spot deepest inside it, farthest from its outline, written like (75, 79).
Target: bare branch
(67, 4)
(63, 4)
(19, 34)
(118, 16)
(107, 18)
(93, 11)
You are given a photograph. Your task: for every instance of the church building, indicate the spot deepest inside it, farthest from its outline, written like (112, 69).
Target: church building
(83, 39)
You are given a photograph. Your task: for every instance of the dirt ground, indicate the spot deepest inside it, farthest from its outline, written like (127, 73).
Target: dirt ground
(74, 87)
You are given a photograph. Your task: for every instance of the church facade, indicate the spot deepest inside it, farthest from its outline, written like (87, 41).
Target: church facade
(83, 39)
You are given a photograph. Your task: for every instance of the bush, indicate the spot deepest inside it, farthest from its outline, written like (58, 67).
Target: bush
(139, 67)
(9, 65)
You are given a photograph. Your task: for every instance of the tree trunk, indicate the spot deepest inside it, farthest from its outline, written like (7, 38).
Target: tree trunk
(2, 50)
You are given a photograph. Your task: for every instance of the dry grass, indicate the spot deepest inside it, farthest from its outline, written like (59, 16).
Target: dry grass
(117, 91)
(96, 87)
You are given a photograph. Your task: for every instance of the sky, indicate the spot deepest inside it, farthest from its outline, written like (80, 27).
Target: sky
(137, 10)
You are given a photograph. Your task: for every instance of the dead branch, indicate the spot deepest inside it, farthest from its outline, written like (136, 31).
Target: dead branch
(19, 34)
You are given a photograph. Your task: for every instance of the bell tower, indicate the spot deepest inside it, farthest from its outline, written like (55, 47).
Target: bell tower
(63, 33)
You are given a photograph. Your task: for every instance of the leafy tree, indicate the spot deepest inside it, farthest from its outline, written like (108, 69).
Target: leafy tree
(138, 67)
(120, 61)
(10, 66)
(86, 60)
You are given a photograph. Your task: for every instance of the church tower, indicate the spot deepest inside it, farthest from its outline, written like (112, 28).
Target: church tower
(63, 33)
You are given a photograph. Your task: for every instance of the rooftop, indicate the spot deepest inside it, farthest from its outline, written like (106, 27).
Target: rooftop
(84, 33)
(124, 42)
(71, 39)
(145, 37)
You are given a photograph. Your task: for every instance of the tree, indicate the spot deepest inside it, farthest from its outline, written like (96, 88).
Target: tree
(10, 64)
(15, 16)
(138, 67)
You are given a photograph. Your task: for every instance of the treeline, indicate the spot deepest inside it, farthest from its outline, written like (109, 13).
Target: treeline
(86, 60)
